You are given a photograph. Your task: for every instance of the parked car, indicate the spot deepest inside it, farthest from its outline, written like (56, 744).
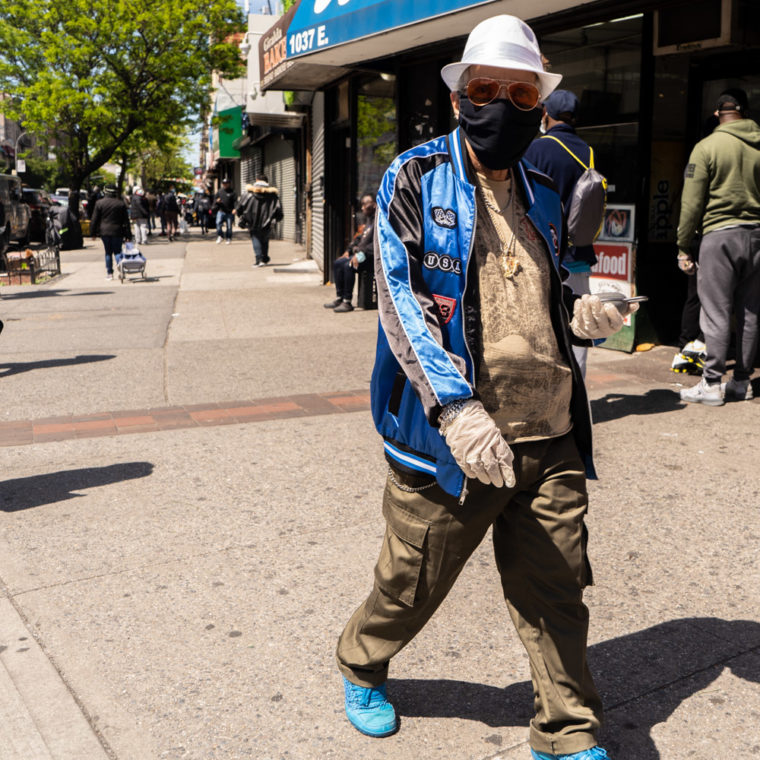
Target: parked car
(14, 213)
(39, 202)
(63, 200)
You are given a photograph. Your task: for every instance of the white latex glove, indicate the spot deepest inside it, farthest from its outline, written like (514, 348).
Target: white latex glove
(478, 446)
(593, 319)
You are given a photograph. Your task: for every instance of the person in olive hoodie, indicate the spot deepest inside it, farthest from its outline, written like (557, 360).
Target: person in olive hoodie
(110, 220)
(721, 195)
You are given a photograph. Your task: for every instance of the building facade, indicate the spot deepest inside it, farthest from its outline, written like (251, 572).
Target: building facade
(646, 72)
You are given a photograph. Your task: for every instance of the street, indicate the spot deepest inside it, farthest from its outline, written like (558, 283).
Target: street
(190, 497)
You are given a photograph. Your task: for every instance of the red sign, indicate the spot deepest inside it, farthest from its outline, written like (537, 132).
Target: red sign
(613, 261)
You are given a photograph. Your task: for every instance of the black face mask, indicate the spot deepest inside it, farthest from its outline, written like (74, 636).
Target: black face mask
(499, 132)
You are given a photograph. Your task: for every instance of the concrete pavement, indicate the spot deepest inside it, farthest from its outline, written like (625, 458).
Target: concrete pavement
(179, 589)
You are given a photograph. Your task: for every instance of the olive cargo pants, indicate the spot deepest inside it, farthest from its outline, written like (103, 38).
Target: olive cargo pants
(540, 547)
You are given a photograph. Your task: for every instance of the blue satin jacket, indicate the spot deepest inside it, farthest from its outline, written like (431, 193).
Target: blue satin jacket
(428, 339)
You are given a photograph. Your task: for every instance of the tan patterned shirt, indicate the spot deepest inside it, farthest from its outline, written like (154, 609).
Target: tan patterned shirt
(525, 384)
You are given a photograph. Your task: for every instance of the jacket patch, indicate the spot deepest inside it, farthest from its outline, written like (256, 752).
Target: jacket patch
(446, 307)
(444, 217)
(689, 173)
(442, 261)
(555, 238)
(527, 229)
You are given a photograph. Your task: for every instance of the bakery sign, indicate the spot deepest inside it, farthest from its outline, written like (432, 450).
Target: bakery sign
(273, 52)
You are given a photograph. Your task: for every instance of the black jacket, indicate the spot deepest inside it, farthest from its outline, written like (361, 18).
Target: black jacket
(139, 208)
(365, 242)
(260, 206)
(224, 200)
(110, 217)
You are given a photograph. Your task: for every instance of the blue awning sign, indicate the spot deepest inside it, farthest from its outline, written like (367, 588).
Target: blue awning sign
(320, 24)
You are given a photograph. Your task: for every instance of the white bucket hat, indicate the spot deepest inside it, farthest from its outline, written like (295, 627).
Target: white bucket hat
(506, 42)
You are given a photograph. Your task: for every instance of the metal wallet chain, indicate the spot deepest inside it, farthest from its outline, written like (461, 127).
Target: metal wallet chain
(408, 489)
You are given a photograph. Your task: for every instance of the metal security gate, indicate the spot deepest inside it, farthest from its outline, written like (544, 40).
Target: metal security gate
(318, 180)
(251, 164)
(280, 167)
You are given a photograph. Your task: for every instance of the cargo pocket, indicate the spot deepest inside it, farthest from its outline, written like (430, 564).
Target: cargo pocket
(398, 568)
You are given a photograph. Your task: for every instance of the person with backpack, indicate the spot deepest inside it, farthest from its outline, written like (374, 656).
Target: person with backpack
(565, 157)
(257, 211)
(203, 210)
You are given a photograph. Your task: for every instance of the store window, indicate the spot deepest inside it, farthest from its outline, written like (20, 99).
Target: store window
(601, 64)
(376, 143)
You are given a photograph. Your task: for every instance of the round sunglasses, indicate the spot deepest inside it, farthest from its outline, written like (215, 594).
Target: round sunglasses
(482, 90)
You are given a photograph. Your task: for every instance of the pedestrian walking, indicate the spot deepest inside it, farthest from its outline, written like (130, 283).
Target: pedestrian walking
(721, 195)
(139, 211)
(258, 210)
(171, 213)
(92, 199)
(161, 211)
(564, 156)
(203, 210)
(110, 221)
(224, 205)
(152, 199)
(478, 396)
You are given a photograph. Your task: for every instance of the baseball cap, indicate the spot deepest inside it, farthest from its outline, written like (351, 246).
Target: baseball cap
(733, 99)
(559, 102)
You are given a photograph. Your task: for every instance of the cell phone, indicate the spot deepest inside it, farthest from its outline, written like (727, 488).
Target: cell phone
(615, 296)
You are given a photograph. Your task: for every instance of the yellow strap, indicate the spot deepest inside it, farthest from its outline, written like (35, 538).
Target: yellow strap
(590, 151)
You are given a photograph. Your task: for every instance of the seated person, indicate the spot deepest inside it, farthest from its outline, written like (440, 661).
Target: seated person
(359, 254)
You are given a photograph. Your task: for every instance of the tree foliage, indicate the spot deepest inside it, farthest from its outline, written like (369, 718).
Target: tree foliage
(99, 78)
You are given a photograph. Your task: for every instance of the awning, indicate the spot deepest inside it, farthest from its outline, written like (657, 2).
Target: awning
(276, 67)
(320, 25)
(320, 40)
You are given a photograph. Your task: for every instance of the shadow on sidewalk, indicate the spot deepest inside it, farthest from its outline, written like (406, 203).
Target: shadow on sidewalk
(643, 678)
(37, 490)
(15, 368)
(613, 406)
(42, 293)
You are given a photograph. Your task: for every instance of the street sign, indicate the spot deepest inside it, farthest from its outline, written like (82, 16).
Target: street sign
(20, 165)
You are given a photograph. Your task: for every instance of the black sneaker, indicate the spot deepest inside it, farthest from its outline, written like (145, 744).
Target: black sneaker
(333, 304)
(344, 306)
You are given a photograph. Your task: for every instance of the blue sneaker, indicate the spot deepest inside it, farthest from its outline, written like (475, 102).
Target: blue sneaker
(369, 710)
(595, 753)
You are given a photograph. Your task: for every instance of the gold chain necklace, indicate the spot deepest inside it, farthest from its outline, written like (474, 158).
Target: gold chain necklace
(510, 266)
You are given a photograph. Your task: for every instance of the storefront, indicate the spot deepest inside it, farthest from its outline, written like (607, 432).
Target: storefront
(646, 73)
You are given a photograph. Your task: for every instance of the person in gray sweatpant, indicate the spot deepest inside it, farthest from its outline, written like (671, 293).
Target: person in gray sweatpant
(721, 195)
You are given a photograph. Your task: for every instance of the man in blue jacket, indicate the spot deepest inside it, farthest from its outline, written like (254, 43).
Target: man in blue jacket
(478, 397)
(551, 155)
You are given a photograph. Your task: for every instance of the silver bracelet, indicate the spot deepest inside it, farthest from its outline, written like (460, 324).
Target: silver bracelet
(450, 413)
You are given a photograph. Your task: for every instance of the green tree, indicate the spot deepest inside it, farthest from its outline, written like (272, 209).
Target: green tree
(92, 75)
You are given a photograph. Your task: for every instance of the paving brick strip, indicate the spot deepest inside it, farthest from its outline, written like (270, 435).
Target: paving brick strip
(24, 432)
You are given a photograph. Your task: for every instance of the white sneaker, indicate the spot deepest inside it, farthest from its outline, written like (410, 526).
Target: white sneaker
(219, 240)
(227, 242)
(703, 392)
(695, 349)
(737, 390)
(109, 277)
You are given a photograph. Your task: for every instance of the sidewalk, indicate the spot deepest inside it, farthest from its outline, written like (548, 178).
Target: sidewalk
(190, 511)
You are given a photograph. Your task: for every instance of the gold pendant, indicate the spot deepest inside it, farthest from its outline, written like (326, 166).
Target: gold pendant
(510, 266)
